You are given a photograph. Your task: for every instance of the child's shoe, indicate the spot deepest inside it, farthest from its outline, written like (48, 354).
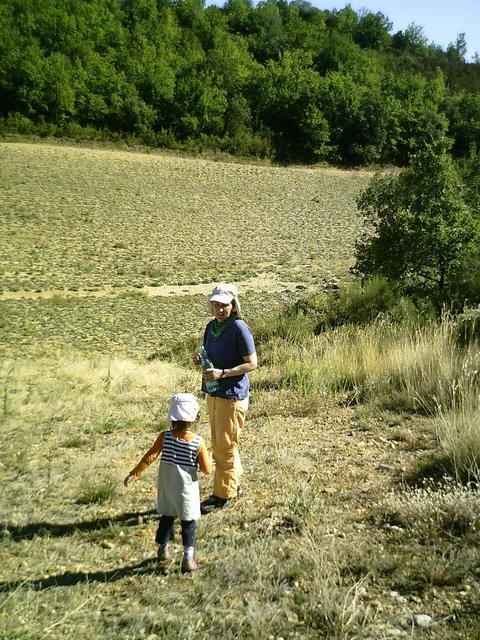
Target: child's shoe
(188, 564)
(163, 553)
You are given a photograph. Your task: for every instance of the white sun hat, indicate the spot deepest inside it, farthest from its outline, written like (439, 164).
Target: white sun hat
(183, 406)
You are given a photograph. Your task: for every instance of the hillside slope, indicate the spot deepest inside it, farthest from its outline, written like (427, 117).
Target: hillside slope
(113, 253)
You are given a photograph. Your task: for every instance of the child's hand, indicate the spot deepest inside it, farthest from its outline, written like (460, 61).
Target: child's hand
(129, 479)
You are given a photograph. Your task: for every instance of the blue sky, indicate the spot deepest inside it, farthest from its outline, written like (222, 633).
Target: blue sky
(442, 20)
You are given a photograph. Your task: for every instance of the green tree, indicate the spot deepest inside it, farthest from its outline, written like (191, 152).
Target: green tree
(344, 21)
(458, 50)
(469, 168)
(287, 92)
(372, 31)
(27, 79)
(419, 230)
(339, 53)
(230, 60)
(463, 111)
(270, 39)
(412, 40)
(314, 28)
(355, 115)
(239, 14)
(59, 92)
(414, 112)
(201, 104)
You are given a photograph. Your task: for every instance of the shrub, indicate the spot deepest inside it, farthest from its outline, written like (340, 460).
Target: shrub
(447, 508)
(467, 326)
(77, 131)
(16, 123)
(247, 143)
(96, 492)
(166, 138)
(292, 325)
(357, 304)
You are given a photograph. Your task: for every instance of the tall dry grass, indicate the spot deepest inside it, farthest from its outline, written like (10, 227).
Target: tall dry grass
(458, 425)
(389, 366)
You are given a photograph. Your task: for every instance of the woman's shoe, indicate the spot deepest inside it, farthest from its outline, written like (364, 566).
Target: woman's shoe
(212, 503)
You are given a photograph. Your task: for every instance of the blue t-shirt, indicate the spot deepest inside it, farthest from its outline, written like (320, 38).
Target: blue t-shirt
(227, 351)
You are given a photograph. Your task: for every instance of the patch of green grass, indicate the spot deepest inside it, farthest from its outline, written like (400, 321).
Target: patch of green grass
(434, 467)
(4, 321)
(92, 492)
(435, 569)
(75, 442)
(21, 634)
(110, 533)
(467, 627)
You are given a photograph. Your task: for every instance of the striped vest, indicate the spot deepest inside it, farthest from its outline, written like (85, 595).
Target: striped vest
(180, 452)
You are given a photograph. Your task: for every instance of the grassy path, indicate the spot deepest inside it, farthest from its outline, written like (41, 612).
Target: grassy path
(263, 283)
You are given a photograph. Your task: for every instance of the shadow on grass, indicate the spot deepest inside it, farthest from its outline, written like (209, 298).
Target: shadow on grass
(51, 529)
(71, 578)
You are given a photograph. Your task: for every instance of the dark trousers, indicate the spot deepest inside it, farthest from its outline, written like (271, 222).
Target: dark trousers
(165, 531)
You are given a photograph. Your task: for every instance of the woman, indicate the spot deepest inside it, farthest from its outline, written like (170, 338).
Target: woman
(230, 348)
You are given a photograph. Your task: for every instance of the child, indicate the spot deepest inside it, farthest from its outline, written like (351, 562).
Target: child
(178, 494)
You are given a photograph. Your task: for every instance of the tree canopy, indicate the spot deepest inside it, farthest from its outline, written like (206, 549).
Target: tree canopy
(421, 225)
(276, 78)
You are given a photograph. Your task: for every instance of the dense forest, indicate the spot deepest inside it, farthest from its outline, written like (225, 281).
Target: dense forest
(279, 79)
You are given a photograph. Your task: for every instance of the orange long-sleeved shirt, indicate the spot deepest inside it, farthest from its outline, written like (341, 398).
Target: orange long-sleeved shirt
(152, 454)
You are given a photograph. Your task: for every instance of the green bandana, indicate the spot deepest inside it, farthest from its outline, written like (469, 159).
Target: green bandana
(219, 327)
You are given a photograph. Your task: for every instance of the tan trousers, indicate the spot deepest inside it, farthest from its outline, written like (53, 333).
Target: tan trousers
(227, 418)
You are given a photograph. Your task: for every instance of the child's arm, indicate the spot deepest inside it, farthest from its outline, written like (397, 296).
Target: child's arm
(151, 455)
(204, 459)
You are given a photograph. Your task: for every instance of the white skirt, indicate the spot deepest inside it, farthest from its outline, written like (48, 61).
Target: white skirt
(178, 492)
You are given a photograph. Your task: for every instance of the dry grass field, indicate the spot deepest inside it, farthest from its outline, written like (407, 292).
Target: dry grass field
(106, 258)
(78, 218)
(82, 224)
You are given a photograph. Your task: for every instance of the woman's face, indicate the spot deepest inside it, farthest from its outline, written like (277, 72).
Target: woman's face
(222, 311)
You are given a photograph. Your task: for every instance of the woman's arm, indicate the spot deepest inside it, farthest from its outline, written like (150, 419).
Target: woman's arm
(249, 364)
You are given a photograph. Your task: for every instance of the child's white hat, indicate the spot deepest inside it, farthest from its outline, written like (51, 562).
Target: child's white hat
(183, 406)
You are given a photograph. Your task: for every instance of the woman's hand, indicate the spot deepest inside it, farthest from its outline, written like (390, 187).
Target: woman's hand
(129, 479)
(212, 374)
